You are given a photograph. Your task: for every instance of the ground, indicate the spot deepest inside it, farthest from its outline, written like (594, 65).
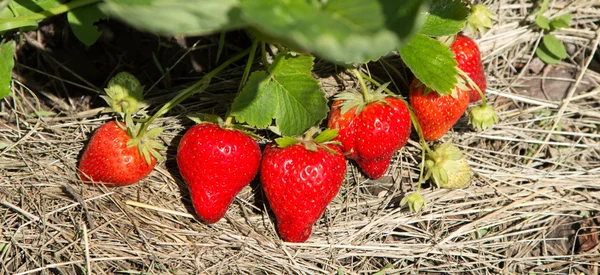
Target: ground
(531, 207)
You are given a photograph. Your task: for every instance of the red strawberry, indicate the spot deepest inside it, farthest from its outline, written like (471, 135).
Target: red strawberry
(216, 163)
(111, 158)
(436, 114)
(299, 185)
(374, 168)
(466, 53)
(370, 130)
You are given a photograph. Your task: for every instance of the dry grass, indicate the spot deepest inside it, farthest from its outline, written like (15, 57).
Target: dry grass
(534, 173)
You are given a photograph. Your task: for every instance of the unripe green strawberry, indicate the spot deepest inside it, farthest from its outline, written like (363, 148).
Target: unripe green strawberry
(448, 167)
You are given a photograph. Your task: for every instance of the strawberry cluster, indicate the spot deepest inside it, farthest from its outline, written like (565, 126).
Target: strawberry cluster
(300, 175)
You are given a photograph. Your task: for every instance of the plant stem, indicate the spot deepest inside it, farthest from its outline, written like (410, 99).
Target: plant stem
(198, 87)
(263, 52)
(228, 121)
(248, 64)
(50, 12)
(471, 83)
(376, 83)
(365, 92)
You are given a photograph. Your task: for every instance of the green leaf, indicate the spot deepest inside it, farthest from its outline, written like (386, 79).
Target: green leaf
(342, 31)
(431, 62)
(554, 46)
(542, 22)
(561, 21)
(256, 104)
(327, 135)
(287, 93)
(543, 53)
(4, 3)
(82, 23)
(7, 49)
(286, 141)
(177, 17)
(23, 8)
(445, 17)
(26, 25)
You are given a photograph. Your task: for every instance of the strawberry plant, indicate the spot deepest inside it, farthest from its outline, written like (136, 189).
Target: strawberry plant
(551, 50)
(300, 175)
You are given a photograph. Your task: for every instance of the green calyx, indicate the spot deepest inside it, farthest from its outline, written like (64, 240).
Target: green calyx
(146, 142)
(124, 94)
(310, 142)
(480, 18)
(483, 117)
(448, 167)
(353, 98)
(415, 201)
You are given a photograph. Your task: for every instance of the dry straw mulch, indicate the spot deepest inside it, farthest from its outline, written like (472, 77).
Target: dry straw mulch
(535, 174)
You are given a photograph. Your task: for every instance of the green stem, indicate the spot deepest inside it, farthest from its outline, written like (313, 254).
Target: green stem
(198, 87)
(228, 121)
(50, 12)
(471, 83)
(248, 64)
(376, 83)
(365, 92)
(263, 52)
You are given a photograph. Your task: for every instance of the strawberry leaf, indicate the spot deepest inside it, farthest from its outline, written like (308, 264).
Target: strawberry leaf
(200, 118)
(445, 17)
(542, 22)
(554, 46)
(185, 17)
(286, 141)
(342, 31)
(7, 49)
(431, 62)
(561, 21)
(287, 93)
(82, 23)
(326, 135)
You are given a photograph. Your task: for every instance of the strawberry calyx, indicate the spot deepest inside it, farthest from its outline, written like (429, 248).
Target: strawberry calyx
(415, 201)
(483, 117)
(145, 142)
(480, 18)
(353, 98)
(124, 94)
(448, 167)
(310, 142)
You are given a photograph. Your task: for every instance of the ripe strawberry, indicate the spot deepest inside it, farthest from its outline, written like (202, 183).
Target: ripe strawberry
(299, 184)
(216, 163)
(114, 158)
(371, 128)
(466, 53)
(436, 114)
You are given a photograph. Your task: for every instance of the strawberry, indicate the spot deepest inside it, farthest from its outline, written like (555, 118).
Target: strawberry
(115, 159)
(300, 179)
(466, 53)
(216, 163)
(371, 127)
(448, 167)
(436, 114)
